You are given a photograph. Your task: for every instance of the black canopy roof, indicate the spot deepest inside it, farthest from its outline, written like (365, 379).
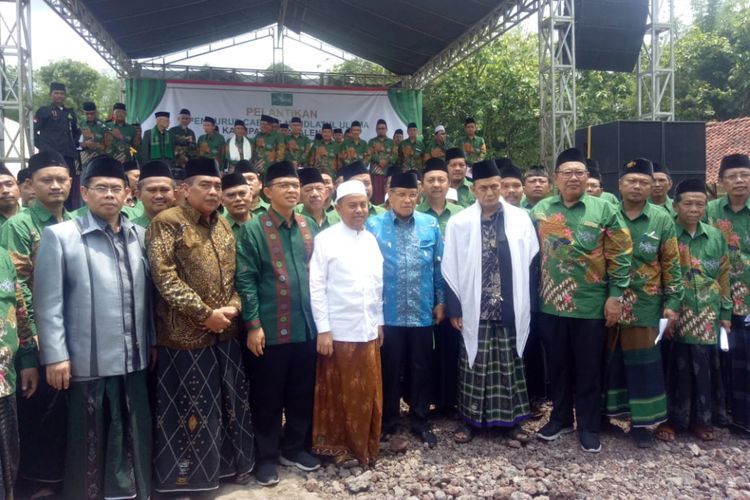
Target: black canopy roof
(400, 35)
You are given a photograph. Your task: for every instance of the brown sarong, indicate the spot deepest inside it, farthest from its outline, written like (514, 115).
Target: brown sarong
(349, 402)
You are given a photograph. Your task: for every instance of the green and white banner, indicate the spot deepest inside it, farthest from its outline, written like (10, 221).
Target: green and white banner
(227, 102)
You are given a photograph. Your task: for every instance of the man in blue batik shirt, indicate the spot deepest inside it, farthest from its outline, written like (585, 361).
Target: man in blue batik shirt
(413, 301)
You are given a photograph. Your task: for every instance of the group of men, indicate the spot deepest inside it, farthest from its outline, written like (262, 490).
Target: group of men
(214, 326)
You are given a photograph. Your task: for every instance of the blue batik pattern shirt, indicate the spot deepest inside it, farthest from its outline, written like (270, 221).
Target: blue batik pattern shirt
(412, 251)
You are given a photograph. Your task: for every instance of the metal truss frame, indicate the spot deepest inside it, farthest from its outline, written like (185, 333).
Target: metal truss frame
(506, 16)
(15, 82)
(557, 77)
(78, 17)
(655, 69)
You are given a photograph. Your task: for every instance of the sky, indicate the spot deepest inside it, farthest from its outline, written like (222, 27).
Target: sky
(257, 55)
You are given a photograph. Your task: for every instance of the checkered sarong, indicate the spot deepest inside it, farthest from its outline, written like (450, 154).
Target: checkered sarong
(492, 393)
(203, 427)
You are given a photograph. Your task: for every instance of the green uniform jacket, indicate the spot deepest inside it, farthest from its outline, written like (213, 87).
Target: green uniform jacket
(323, 156)
(705, 279)
(267, 149)
(735, 226)
(655, 278)
(236, 226)
(123, 138)
(465, 196)
(382, 154)
(297, 149)
(142, 220)
(262, 208)
(275, 290)
(212, 146)
(184, 148)
(434, 150)
(98, 138)
(585, 256)
(668, 206)
(609, 197)
(330, 219)
(411, 154)
(475, 149)
(350, 151)
(17, 344)
(449, 211)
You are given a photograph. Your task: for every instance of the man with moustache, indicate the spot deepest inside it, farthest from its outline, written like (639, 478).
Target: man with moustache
(155, 190)
(455, 161)
(536, 186)
(313, 195)
(258, 206)
(9, 195)
(511, 180)
(184, 138)
(236, 196)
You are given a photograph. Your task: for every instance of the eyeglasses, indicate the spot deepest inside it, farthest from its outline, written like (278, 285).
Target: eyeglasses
(102, 190)
(567, 174)
(737, 177)
(286, 186)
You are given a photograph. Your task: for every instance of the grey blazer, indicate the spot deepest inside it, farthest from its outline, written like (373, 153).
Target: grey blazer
(78, 299)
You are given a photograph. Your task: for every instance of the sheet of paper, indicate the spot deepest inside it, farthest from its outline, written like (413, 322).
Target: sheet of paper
(662, 326)
(723, 339)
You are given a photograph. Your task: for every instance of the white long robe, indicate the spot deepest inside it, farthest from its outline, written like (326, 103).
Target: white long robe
(462, 268)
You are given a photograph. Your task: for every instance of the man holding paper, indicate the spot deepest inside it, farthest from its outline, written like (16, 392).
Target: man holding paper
(634, 382)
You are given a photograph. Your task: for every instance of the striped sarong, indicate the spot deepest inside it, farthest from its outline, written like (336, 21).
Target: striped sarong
(492, 393)
(634, 381)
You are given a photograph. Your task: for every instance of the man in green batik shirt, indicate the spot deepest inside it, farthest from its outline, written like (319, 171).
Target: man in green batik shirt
(125, 139)
(473, 145)
(155, 190)
(268, 146)
(354, 148)
(585, 266)
(236, 196)
(455, 161)
(635, 374)
(411, 150)
(662, 186)
(272, 279)
(731, 215)
(212, 143)
(9, 195)
(382, 151)
(313, 197)
(297, 144)
(695, 389)
(42, 418)
(438, 145)
(324, 152)
(96, 136)
(435, 188)
(184, 138)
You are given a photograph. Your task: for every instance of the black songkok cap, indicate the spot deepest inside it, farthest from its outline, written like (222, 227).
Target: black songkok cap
(118, 105)
(638, 166)
(509, 171)
(411, 125)
(337, 131)
(23, 174)
(159, 114)
(274, 120)
(484, 169)
(266, 118)
(295, 119)
(232, 180)
(435, 164)
(155, 168)
(4, 170)
(280, 169)
(179, 175)
(201, 166)
(184, 111)
(571, 154)
(239, 123)
(659, 168)
(733, 161)
(469, 119)
(284, 125)
(453, 153)
(407, 180)
(381, 122)
(245, 167)
(691, 186)
(56, 86)
(130, 165)
(309, 175)
(103, 166)
(392, 170)
(209, 119)
(503, 162)
(88, 106)
(355, 123)
(45, 158)
(592, 167)
(326, 126)
(398, 131)
(354, 168)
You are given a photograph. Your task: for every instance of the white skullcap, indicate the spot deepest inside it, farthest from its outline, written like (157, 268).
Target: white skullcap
(439, 128)
(452, 194)
(350, 187)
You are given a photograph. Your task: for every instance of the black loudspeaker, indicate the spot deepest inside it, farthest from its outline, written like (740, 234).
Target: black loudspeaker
(609, 33)
(679, 145)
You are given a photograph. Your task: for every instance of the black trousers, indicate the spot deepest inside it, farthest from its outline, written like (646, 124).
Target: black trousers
(406, 350)
(575, 354)
(282, 381)
(444, 376)
(534, 362)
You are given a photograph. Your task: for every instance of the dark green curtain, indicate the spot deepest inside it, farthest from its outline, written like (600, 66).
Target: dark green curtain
(141, 97)
(408, 104)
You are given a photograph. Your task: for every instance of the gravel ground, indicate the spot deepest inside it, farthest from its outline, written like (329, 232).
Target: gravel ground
(489, 467)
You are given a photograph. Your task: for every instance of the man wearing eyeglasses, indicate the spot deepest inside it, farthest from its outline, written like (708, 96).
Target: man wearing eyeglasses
(412, 249)
(731, 214)
(203, 431)
(585, 265)
(95, 326)
(273, 253)
(634, 381)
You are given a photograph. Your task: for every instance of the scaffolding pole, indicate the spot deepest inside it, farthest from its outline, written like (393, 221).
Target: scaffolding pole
(655, 70)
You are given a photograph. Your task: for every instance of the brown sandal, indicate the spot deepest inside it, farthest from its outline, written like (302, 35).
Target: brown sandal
(665, 432)
(463, 433)
(516, 433)
(703, 432)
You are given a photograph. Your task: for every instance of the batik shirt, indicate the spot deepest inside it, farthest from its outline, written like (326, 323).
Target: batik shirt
(382, 154)
(465, 196)
(475, 149)
(449, 211)
(267, 149)
(411, 154)
(585, 256)
(655, 278)
(412, 282)
(96, 140)
(610, 198)
(351, 151)
(212, 146)
(323, 156)
(124, 137)
(184, 142)
(434, 150)
(735, 226)
(297, 149)
(491, 302)
(17, 341)
(705, 280)
(668, 206)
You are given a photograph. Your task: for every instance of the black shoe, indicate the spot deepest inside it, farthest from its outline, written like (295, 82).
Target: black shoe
(387, 433)
(426, 436)
(552, 430)
(266, 475)
(642, 437)
(302, 460)
(590, 442)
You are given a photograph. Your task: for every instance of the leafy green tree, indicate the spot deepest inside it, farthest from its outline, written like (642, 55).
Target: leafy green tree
(359, 72)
